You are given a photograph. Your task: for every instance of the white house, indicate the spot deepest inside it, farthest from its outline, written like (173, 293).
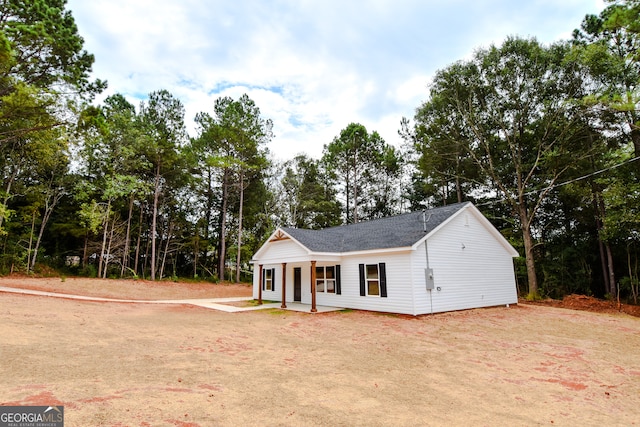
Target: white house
(442, 259)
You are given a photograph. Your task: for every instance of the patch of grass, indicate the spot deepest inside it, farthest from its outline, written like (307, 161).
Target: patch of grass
(247, 303)
(533, 297)
(254, 302)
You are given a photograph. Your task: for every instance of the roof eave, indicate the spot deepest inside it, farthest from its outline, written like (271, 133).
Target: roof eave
(378, 251)
(278, 231)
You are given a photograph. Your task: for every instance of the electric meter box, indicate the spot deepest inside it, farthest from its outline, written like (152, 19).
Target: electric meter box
(428, 274)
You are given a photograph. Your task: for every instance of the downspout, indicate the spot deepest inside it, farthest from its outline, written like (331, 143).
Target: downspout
(260, 285)
(313, 287)
(428, 272)
(284, 285)
(414, 291)
(430, 289)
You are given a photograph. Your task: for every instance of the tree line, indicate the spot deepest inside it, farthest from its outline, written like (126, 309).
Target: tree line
(544, 139)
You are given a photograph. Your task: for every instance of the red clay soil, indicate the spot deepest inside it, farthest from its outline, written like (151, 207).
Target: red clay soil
(587, 303)
(113, 364)
(127, 288)
(147, 290)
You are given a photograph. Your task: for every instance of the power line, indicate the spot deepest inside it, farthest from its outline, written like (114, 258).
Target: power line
(589, 175)
(571, 181)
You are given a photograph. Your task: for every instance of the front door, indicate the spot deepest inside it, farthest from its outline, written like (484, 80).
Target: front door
(297, 284)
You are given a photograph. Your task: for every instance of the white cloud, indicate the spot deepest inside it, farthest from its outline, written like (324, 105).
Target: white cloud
(311, 67)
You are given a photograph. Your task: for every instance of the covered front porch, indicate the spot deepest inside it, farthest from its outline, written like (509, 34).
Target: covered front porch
(293, 284)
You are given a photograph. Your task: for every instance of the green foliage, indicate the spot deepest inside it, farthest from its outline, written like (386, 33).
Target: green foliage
(229, 158)
(89, 271)
(365, 170)
(609, 45)
(502, 123)
(91, 216)
(502, 128)
(533, 297)
(622, 199)
(47, 49)
(5, 214)
(307, 199)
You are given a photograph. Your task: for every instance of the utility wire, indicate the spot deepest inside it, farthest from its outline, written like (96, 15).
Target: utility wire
(571, 181)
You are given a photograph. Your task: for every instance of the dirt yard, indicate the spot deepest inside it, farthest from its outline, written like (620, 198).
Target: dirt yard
(137, 364)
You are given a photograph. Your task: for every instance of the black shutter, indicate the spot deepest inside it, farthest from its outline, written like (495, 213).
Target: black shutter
(383, 279)
(338, 287)
(363, 291)
(262, 279)
(273, 279)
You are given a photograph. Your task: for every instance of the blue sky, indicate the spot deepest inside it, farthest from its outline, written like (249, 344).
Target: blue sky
(311, 66)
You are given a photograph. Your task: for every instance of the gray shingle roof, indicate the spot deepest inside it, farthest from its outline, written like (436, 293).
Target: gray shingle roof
(392, 232)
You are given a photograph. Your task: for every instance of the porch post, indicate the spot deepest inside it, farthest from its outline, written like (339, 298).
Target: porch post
(313, 287)
(284, 285)
(260, 286)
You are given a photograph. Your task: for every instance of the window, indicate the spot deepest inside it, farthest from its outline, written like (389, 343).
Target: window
(328, 279)
(267, 279)
(373, 283)
(373, 280)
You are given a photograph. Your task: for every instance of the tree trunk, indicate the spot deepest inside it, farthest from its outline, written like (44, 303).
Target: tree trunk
(239, 254)
(196, 254)
(208, 223)
(633, 275)
(104, 239)
(156, 197)
(223, 225)
(356, 185)
(145, 264)
(108, 253)
(635, 134)
(49, 206)
(166, 249)
(612, 276)
(7, 194)
(606, 257)
(348, 192)
(458, 184)
(138, 241)
(598, 209)
(458, 189)
(37, 246)
(528, 249)
(125, 254)
(85, 249)
(603, 264)
(33, 230)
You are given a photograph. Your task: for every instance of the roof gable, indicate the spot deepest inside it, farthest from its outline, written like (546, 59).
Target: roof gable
(393, 232)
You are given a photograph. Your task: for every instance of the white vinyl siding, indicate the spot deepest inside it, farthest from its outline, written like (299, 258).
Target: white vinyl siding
(272, 274)
(470, 267)
(399, 290)
(283, 250)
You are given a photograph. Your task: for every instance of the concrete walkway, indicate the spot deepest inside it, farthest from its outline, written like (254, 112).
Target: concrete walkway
(211, 303)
